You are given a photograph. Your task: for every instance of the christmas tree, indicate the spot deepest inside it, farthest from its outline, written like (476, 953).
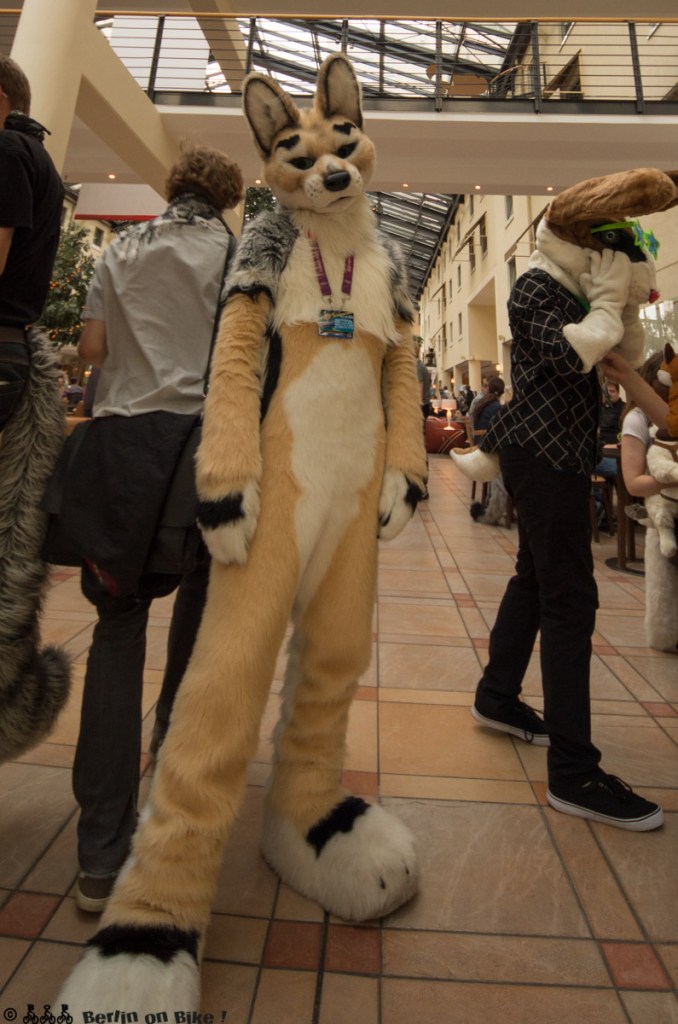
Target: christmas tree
(61, 318)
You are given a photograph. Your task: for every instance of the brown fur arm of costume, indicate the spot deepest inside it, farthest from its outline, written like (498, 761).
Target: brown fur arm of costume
(405, 471)
(229, 458)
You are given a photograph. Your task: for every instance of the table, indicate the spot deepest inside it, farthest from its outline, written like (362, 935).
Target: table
(626, 537)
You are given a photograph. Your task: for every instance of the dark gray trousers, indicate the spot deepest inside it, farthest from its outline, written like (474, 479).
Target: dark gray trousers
(106, 768)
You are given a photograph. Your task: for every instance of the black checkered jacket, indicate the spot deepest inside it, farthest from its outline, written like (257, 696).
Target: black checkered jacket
(554, 409)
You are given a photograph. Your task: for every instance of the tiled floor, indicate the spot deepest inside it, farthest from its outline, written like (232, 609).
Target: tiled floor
(524, 914)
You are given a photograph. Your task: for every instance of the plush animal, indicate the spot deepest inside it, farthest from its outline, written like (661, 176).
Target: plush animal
(579, 243)
(312, 447)
(662, 462)
(34, 681)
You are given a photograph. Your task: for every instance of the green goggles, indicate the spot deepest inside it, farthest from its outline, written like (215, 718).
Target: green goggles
(643, 239)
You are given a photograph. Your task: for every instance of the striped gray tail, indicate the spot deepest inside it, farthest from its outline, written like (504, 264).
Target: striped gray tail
(34, 683)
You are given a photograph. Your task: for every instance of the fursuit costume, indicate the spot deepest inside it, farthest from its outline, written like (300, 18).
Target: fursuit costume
(661, 542)
(578, 300)
(312, 448)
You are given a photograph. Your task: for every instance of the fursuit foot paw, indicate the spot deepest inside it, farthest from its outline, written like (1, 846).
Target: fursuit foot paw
(359, 862)
(142, 970)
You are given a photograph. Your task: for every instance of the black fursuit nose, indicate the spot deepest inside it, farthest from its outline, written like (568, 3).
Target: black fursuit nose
(337, 181)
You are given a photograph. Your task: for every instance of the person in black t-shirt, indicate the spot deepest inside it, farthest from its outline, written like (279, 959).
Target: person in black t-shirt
(31, 200)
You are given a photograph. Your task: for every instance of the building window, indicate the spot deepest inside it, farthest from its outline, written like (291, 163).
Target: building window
(459, 329)
(483, 235)
(459, 275)
(508, 207)
(471, 253)
(511, 268)
(470, 205)
(444, 297)
(98, 237)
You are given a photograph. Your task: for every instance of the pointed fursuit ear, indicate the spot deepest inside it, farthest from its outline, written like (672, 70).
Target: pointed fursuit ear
(268, 110)
(338, 91)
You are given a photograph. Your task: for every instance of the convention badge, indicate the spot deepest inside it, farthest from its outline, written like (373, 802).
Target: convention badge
(335, 323)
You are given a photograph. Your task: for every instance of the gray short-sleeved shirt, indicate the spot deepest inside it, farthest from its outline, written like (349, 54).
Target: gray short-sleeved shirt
(158, 300)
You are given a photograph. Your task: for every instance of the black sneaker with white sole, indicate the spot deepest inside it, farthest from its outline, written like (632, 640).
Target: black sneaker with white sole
(609, 800)
(518, 719)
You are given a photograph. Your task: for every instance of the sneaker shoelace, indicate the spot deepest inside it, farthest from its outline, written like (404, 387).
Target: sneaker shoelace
(532, 723)
(613, 784)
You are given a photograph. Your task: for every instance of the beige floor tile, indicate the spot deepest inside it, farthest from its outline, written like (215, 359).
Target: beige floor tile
(660, 672)
(228, 991)
(236, 939)
(404, 696)
(285, 997)
(457, 957)
(429, 1002)
(430, 582)
(487, 868)
(444, 741)
(291, 906)
(54, 755)
(407, 559)
(645, 863)
(429, 667)
(41, 975)
(361, 738)
(651, 1007)
(621, 630)
(669, 956)
(603, 901)
(246, 885)
(637, 750)
(70, 924)
(428, 787)
(11, 953)
(486, 586)
(341, 992)
(35, 802)
(423, 618)
(56, 869)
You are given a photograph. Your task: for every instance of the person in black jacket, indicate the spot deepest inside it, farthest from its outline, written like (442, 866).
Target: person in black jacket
(31, 200)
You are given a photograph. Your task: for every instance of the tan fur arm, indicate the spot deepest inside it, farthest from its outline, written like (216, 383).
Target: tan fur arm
(404, 429)
(228, 468)
(405, 471)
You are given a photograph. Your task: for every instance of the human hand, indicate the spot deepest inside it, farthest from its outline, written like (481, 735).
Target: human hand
(615, 367)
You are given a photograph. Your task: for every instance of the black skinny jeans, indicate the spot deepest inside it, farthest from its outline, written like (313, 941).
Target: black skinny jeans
(553, 593)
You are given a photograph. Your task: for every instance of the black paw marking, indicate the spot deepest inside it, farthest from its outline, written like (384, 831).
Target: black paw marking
(340, 819)
(217, 513)
(161, 942)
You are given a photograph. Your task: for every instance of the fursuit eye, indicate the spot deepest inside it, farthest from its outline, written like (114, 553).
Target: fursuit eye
(610, 237)
(345, 151)
(302, 163)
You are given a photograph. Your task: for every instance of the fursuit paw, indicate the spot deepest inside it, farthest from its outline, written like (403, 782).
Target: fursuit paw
(228, 525)
(359, 862)
(397, 504)
(476, 465)
(142, 970)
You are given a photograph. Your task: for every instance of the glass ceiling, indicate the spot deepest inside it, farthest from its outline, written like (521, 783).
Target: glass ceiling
(391, 58)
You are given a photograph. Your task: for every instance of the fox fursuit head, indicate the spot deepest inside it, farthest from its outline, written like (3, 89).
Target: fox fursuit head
(312, 449)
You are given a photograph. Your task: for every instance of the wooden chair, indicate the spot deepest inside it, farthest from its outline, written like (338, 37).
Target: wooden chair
(606, 486)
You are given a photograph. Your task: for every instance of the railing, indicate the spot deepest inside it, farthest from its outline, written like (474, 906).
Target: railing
(544, 65)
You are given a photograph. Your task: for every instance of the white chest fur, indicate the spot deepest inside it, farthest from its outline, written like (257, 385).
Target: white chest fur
(299, 298)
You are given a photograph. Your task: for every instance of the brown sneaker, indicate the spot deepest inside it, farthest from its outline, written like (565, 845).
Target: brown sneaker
(92, 891)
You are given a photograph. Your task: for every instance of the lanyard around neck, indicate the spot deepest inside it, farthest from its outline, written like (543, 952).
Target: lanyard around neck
(321, 273)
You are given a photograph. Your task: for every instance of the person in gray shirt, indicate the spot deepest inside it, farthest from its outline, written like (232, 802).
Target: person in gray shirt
(149, 322)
